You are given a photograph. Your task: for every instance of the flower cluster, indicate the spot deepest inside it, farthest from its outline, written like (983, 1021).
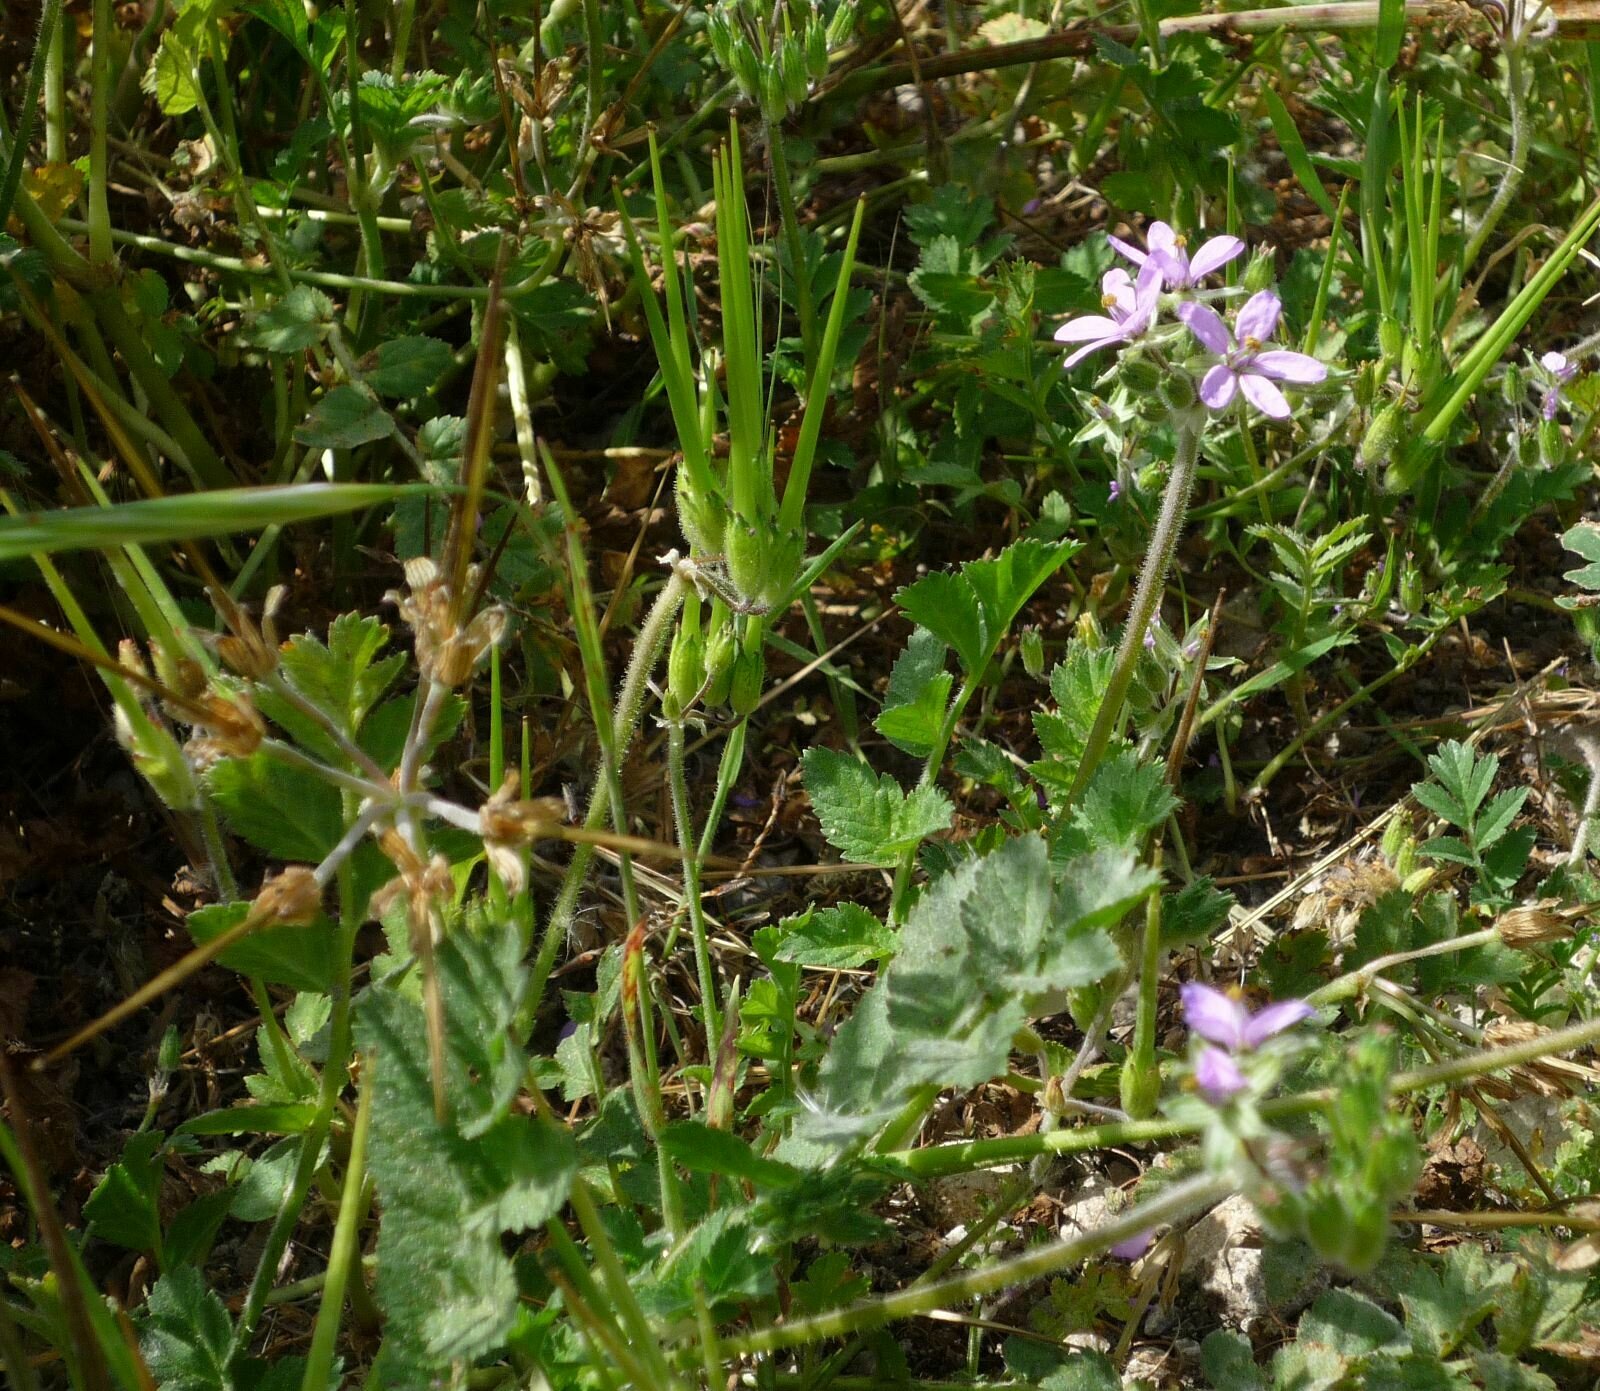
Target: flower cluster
(1231, 1029)
(1244, 366)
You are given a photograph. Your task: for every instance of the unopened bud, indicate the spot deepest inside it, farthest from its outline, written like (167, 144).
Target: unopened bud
(1391, 340)
(1260, 272)
(792, 61)
(1141, 1088)
(1139, 373)
(686, 662)
(1177, 391)
(721, 652)
(749, 673)
(1512, 385)
(1378, 444)
(1530, 926)
(749, 552)
(1364, 386)
(701, 519)
(1033, 652)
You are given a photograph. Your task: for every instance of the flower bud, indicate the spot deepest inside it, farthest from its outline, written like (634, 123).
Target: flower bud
(159, 759)
(1177, 391)
(703, 520)
(1552, 443)
(816, 51)
(1139, 373)
(1033, 652)
(1260, 273)
(1512, 385)
(842, 25)
(749, 555)
(792, 61)
(1391, 339)
(721, 652)
(1364, 388)
(773, 91)
(1378, 444)
(749, 673)
(686, 662)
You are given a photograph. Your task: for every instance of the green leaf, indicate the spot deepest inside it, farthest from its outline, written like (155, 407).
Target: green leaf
(1229, 1362)
(298, 319)
(839, 938)
(408, 367)
(708, 1151)
(868, 818)
(344, 419)
(1462, 774)
(290, 813)
(1125, 801)
(284, 1118)
(719, 1261)
(971, 609)
(1441, 804)
(288, 18)
(186, 1336)
(299, 957)
(188, 516)
(123, 1207)
(450, 1190)
(1584, 540)
(343, 677)
(1496, 818)
(1350, 1325)
(1193, 913)
(1294, 149)
(918, 697)
(1084, 1371)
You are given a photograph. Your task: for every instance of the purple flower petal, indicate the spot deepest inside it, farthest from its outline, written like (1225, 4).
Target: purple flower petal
(1124, 249)
(1073, 359)
(1263, 395)
(1218, 387)
(1217, 1075)
(1558, 364)
(1214, 255)
(1274, 1019)
(1160, 238)
(1285, 366)
(1258, 316)
(1134, 1247)
(1216, 1017)
(1551, 403)
(1207, 326)
(1087, 327)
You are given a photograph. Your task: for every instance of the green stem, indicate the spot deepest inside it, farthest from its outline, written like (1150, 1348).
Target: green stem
(647, 649)
(1141, 1080)
(344, 1252)
(1172, 1204)
(711, 1012)
(99, 125)
(1516, 162)
(805, 309)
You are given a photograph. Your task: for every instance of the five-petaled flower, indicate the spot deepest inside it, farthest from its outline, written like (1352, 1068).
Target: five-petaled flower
(1245, 365)
(1131, 305)
(1168, 250)
(1223, 1021)
(1563, 369)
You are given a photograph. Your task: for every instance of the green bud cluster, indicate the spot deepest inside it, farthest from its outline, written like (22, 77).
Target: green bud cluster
(775, 55)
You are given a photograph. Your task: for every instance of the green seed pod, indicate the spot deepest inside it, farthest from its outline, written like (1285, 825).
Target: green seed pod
(686, 662)
(842, 25)
(773, 91)
(746, 68)
(816, 50)
(1033, 652)
(1260, 272)
(749, 674)
(1139, 373)
(1141, 1089)
(1150, 408)
(159, 759)
(702, 520)
(1383, 434)
(721, 652)
(169, 1057)
(719, 29)
(796, 73)
(1512, 385)
(1391, 339)
(1552, 443)
(750, 555)
(1177, 391)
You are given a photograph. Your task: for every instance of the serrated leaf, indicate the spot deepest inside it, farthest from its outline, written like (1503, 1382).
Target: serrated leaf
(123, 1207)
(344, 419)
(288, 812)
(451, 1189)
(1351, 1325)
(918, 696)
(407, 367)
(186, 1336)
(705, 1150)
(344, 676)
(1465, 776)
(298, 319)
(971, 610)
(1584, 540)
(866, 817)
(1193, 913)
(299, 957)
(283, 1118)
(1124, 802)
(1229, 1362)
(1496, 818)
(837, 938)
(1441, 803)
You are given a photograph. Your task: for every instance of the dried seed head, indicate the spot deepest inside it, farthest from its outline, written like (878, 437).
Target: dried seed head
(232, 728)
(1530, 925)
(446, 652)
(253, 652)
(292, 896)
(1551, 1076)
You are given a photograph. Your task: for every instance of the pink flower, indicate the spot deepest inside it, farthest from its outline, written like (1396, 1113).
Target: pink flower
(1131, 305)
(1245, 366)
(1217, 1075)
(1559, 366)
(1221, 1019)
(1134, 1247)
(1169, 252)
